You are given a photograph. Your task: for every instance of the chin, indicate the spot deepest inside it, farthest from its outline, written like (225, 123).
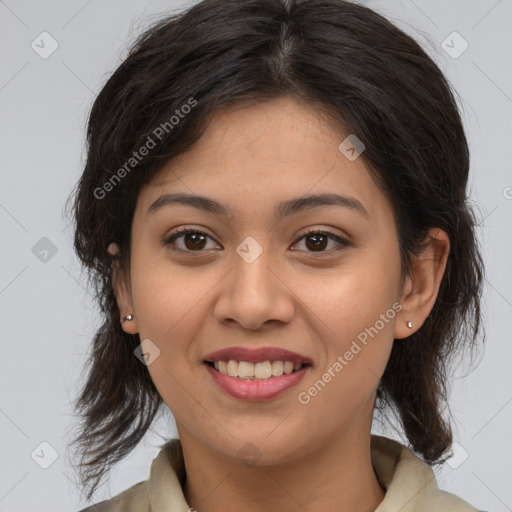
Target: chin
(256, 447)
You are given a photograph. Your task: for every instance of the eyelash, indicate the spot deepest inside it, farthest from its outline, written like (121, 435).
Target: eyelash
(341, 241)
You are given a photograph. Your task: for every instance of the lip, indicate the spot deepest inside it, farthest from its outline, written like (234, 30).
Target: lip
(256, 390)
(257, 355)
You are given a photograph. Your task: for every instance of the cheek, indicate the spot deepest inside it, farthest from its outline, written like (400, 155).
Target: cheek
(170, 303)
(169, 310)
(358, 310)
(167, 297)
(356, 295)
(357, 348)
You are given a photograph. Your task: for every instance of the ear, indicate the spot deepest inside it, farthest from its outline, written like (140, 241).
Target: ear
(122, 291)
(422, 286)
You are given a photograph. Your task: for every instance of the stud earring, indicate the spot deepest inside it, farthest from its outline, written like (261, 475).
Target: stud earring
(129, 317)
(409, 324)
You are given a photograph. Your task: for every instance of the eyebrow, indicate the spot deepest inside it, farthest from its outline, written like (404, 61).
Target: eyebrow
(283, 209)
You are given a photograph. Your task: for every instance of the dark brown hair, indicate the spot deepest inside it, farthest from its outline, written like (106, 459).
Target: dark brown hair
(363, 72)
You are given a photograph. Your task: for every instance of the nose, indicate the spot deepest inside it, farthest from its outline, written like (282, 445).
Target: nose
(254, 293)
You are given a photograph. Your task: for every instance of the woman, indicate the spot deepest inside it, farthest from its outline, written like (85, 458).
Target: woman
(274, 213)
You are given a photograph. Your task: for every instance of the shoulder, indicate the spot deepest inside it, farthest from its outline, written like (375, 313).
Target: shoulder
(133, 499)
(161, 491)
(444, 501)
(410, 482)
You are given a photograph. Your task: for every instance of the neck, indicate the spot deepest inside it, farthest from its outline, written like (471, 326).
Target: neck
(312, 482)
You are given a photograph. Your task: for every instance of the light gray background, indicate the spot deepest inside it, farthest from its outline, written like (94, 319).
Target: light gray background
(47, 318)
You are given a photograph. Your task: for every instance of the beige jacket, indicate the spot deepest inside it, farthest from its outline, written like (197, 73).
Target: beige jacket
(410, 484)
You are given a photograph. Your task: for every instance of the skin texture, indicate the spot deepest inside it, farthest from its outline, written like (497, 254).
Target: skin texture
(192, 303)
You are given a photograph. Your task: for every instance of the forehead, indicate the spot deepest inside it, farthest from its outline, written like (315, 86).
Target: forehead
(273, 132)
(266, 153)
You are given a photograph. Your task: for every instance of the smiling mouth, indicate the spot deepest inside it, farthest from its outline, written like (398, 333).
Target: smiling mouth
(264, 370)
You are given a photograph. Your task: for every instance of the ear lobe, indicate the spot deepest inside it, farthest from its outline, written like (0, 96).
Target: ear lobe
(422, 286)
(122, 291)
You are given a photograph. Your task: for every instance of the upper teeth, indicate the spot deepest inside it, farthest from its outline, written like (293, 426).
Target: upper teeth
(263, 370)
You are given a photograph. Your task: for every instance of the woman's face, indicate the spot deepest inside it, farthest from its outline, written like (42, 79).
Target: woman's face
(253, 277)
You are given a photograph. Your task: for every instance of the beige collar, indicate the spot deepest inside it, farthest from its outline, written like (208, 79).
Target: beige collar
(410, 482)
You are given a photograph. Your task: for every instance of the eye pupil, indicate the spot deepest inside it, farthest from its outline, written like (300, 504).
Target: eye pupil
(197, 237)
(317, 243)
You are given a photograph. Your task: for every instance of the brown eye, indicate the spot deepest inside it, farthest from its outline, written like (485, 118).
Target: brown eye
(317, 242)
(193, 240)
